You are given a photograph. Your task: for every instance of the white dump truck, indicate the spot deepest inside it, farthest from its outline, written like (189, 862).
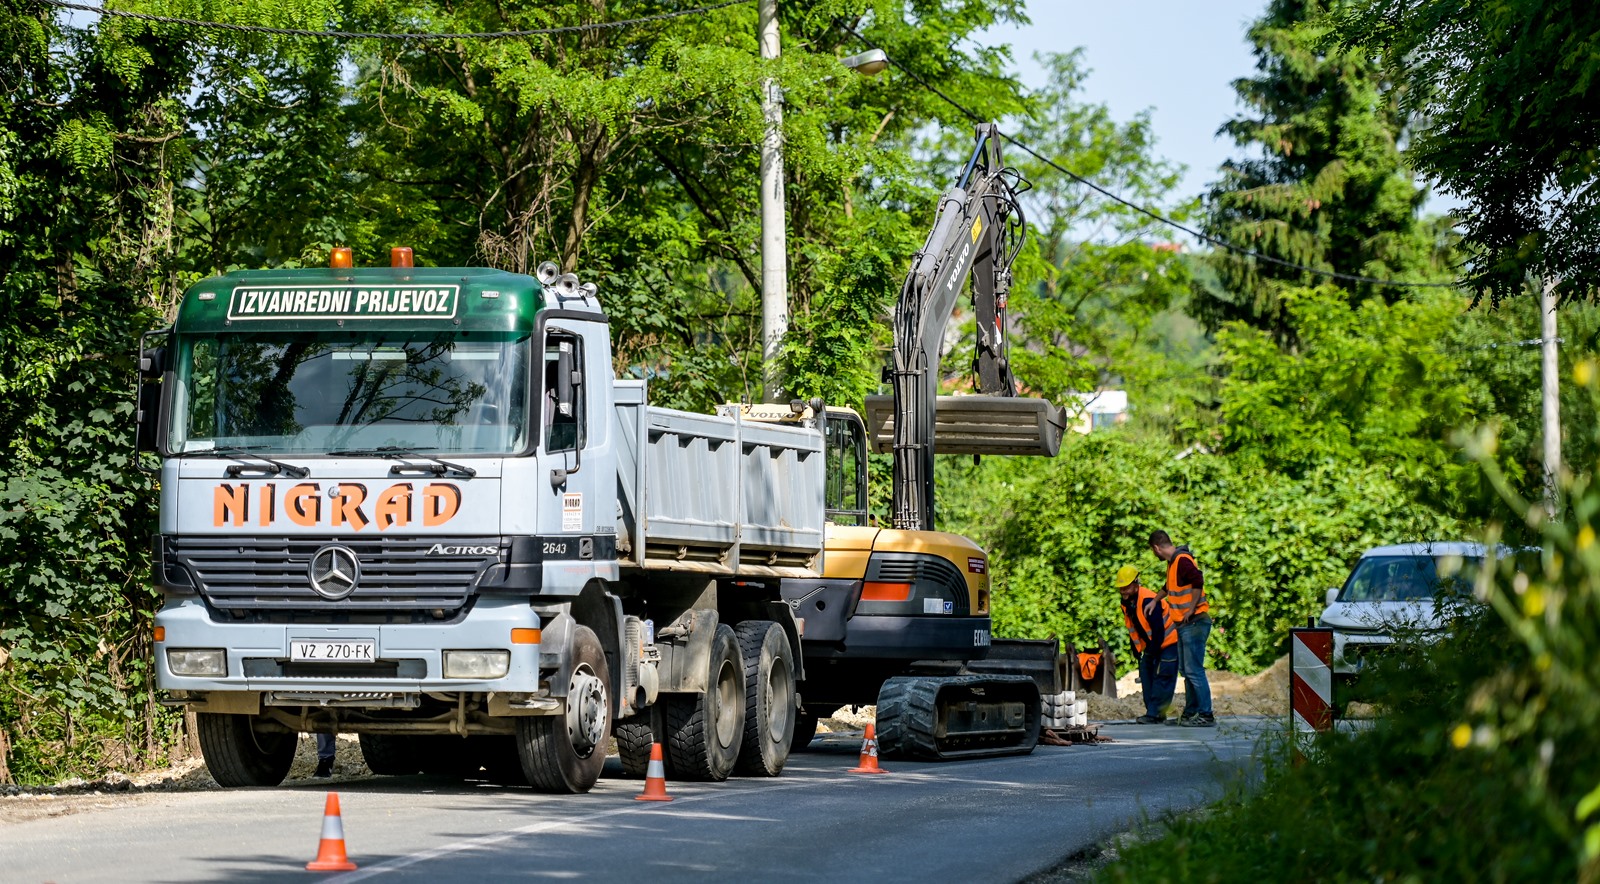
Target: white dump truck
(414, 504)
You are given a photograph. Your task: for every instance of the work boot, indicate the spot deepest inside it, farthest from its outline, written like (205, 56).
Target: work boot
(1150, 719)
(1204, 719)
(324, 768)
(1187, 719)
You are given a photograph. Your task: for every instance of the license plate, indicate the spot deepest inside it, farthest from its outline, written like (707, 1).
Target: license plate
(327, 650)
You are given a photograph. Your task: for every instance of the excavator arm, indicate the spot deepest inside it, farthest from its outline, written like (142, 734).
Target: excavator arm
(976, 235)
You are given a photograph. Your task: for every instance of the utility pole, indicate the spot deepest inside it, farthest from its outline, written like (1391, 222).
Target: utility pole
(1552, 401)
(774, 245)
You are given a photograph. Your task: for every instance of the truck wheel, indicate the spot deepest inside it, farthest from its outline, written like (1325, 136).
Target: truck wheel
(564, 753)
(805, 730)
(635, 734)
(389, 755)
(768, 698)
(704, 730)
(238, 753)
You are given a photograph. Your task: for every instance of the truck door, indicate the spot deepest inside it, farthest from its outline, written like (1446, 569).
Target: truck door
(576, 521)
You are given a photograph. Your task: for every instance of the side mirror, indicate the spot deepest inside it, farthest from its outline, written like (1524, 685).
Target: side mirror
(147, 398)
(1331, 596)
(568, 379)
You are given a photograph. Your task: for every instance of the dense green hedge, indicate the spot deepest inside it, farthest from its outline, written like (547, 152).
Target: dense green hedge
(1270, 545)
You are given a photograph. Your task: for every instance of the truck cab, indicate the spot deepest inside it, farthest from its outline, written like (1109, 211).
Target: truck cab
(414, 504)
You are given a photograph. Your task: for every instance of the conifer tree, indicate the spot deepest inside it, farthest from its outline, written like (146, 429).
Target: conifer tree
(1321, 181)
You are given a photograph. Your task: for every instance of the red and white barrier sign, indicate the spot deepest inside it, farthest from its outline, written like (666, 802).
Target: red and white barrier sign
(1311, 679)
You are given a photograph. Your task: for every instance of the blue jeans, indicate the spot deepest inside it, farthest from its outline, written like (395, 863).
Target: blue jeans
(1192, 660)
(326, 747)
(1158, 677)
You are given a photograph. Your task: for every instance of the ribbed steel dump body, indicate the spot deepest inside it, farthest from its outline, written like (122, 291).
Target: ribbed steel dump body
(716, 495)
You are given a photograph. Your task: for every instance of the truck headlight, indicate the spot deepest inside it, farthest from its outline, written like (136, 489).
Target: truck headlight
(476, 664)
(211, 662)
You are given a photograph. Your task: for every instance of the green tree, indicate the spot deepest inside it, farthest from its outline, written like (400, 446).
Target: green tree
(1322, 183)
(1505, 99)
(91, 150)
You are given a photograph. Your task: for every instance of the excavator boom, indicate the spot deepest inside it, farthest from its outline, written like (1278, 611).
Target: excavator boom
(977, 234)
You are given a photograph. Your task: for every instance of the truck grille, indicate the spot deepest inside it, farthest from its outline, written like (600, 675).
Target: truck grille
(272, 574)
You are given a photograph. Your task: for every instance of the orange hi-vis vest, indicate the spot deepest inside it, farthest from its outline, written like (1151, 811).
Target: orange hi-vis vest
(1139, 626)
(1185, 602)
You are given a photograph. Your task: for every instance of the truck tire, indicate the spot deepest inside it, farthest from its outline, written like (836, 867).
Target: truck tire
(564, 753)
(390, 755)
(805, 730)
(769, 714)
(237, 753)
(704, 730)
(635, 734)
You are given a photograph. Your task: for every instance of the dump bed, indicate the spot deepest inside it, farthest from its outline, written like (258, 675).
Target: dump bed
(716, 495)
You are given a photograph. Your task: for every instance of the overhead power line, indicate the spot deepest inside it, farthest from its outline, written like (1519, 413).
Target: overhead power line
(1149, 213)
(384, 35)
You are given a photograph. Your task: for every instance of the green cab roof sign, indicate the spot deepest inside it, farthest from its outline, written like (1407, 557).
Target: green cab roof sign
(343, 302)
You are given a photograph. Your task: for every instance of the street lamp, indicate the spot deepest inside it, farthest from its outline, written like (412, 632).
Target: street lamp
(774, 236)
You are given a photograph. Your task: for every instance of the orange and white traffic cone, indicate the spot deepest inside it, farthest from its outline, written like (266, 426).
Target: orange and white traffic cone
(330, 851)
(869, 753)
(655, 778)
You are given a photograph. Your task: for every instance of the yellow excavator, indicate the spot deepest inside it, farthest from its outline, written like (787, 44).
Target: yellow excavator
(900, 618)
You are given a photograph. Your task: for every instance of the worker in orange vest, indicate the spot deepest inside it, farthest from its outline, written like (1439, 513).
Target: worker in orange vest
(1155, 644)
(1185, 597)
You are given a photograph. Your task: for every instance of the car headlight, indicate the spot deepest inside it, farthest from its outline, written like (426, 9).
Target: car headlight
(212, 662)
(476, 664)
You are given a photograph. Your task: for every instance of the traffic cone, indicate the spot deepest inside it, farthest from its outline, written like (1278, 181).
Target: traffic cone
(330, 851)
(655, 778)
(869, 753)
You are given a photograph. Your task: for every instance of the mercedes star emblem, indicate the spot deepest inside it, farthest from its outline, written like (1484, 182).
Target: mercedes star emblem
(334, 571)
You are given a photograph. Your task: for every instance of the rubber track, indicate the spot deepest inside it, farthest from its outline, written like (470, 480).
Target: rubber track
(908, 712)
(634, 737)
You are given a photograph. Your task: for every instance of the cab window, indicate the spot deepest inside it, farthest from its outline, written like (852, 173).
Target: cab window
(846, 494)
(564, 419)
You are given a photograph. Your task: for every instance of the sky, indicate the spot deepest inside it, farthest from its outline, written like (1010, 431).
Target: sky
(1177, 58)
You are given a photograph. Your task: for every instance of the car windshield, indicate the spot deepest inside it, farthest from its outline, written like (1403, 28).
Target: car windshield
(451, 393)
(1407, 578)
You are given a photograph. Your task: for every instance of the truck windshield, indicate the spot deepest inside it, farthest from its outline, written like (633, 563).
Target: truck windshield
(451, 393)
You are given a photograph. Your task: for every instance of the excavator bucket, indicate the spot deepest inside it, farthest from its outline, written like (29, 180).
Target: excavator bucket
(978, 425)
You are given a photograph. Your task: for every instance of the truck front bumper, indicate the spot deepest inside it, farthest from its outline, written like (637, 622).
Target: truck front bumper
(408, 658)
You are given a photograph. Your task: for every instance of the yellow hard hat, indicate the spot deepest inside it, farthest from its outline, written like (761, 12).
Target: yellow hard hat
(1126, 575)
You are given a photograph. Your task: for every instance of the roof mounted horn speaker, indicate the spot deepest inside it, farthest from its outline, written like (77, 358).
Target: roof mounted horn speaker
(548, 273)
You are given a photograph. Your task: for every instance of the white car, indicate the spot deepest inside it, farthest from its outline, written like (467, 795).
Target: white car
(1395, 589)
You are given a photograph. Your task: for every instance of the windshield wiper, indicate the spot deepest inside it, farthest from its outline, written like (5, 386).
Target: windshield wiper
(242, 452)
(441, 466)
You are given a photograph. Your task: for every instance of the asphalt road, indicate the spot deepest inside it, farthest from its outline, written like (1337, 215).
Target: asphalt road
(996, 820)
